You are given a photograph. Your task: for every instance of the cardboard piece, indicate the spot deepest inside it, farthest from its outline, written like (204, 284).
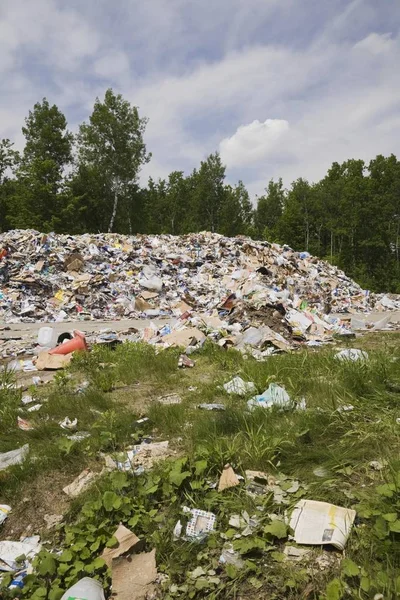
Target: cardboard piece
(228, 479)
(146, 295)
(133, 577)
(127, 540)
(183, 337)
(52, 362)
(80, 483)
(141, 305)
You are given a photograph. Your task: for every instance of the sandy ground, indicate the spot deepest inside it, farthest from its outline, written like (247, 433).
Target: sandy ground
(28, 329)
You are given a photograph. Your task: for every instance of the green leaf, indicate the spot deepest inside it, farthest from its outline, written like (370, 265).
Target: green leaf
(65, 557)
(63, 568)
(134, 520)
(48, 565)
(95, 546)
(39, 593)
(201, 584)
(112, 542)
(231, 571)
(200, 466)
(334, 590)
(256, 583)
(365, 584)
(278, 556)
(381, 528)
(98, 563)
(395, 527)
(111, 501)
(386, 490)
(120, 481)
(177, 478)
(249, 544)
(277, 529)
(85, 554)
(56, 593)
(350, 569)
(390, 517)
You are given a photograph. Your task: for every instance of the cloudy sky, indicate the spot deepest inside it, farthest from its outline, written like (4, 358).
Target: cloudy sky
(279, 87)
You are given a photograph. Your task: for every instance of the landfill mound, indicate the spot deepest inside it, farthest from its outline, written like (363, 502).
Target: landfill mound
(50, 277)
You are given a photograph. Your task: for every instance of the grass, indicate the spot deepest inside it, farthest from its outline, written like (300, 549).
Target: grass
(327, 449)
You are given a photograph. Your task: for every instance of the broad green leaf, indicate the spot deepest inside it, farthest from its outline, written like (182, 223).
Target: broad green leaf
(231, 571)
(112, 542)
(381, 527)
(120, 481)
(48, 565)
(201, 584)
(350, 568)
(200, 466)
(39, 593)
(365, 584)
(98, 563)
(63, 568)
(256, 583)
(276, 528)
(386, 490)
(111, 501)
(134, 520)
(95, 546)
(249, 544)
(55, 593)
(395, 527)
(65, 557)
(334, 590)
(390, 517)
(177, 478)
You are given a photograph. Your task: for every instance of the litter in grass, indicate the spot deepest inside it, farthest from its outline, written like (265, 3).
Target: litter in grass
(214, 406)
(126, 539)
(185, 362)
(230, 557)
(34, 408)
(320, 523)
(13, 457)
(10, 551)
(140, 458)
(228, 479)
(133, 577)
(352, 354)
(24, 425)
(81, 483)
(52, 520)
(199, 526)
(85, 589)
(169, 399)
(240, 387)
(4, 512)
(67, 423)
(275, 395)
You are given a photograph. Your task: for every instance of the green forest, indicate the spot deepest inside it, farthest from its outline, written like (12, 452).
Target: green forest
(89, 182)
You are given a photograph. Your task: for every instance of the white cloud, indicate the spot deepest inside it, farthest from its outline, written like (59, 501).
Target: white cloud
(252, 143)
(112, 66)
(198, 75)
(376, 43)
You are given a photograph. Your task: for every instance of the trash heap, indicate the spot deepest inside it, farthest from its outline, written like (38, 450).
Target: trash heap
(210, 281)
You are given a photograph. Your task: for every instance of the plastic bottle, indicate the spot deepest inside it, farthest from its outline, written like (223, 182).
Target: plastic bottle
(85, 589)
(46, 337)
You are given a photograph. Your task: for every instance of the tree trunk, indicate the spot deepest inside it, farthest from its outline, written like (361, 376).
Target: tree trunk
(114, 212)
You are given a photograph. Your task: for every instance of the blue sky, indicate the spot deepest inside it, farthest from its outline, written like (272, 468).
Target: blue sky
(279, 87)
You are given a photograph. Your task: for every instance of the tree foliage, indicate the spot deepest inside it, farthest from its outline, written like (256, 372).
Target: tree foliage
(350, 217)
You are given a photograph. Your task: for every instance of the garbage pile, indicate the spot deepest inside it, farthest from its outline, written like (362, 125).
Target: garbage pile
(252, 291)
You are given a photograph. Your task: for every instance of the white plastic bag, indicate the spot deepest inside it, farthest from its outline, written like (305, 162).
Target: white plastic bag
(85, 589)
